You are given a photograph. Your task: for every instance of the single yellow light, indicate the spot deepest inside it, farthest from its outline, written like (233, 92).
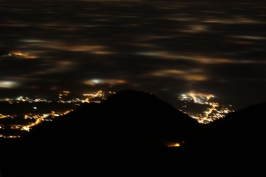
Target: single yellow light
(176, 145)
(173, 145)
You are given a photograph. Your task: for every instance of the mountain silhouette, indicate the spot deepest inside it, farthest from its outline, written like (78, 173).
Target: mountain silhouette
(128, 127)
(237, 142)
(128, 134)
(126, 117)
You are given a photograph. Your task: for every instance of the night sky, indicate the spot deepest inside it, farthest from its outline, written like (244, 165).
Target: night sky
(164, 47)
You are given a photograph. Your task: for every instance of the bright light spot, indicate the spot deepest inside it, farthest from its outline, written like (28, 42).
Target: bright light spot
(8, 84)
(173, 145)
(96, 81)
(93, 95)
(104, 81)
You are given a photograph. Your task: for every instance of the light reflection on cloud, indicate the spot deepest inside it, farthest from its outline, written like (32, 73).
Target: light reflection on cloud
(197, 58)
(194, 29)
(23, 55)
(251, 37)
(190, 75)
(8, 84)
(57, 67)
(67, 46)
(94, 82)
(235, 20)
(152, 45)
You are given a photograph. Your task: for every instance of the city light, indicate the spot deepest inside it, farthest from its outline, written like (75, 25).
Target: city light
(212, 113)
(89, 96)
(20, 54)
(63, 94)
(173, 145)
(212, 110)
(63, 97)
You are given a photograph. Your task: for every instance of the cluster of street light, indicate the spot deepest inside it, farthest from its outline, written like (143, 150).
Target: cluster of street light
(38, 119)
(213, 112)
(22, 99)
(63, 98)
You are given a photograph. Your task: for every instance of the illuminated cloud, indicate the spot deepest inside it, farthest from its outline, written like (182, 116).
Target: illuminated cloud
(58, 67)
(122, 1)
(8, 84)
(190, 75)
(250, 37)
(67, 46)
(234, 20)
(199, 58)
(94, 82)
(23, 55)
(194, 58)
(156, 47)
(195, 77)
(194, 29)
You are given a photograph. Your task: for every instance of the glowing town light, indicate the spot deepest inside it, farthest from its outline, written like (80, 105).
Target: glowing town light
(211, 114)
(89, 96)
(173, 145)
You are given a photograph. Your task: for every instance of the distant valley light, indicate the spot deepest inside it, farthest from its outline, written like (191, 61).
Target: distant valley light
(173, 145)
(213, 112)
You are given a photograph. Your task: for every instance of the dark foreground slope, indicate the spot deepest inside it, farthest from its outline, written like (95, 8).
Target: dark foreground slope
(237, 143)
(127, 135)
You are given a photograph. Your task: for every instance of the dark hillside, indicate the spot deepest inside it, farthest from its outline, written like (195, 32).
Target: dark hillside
(144, 114)
(129, 127)
(128, 133)
(237, 142)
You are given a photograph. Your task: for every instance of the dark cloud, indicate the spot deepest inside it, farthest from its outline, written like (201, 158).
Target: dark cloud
(166, 47)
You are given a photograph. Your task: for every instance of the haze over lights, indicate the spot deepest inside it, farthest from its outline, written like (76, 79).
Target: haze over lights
(94, 82)
(156, 46)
